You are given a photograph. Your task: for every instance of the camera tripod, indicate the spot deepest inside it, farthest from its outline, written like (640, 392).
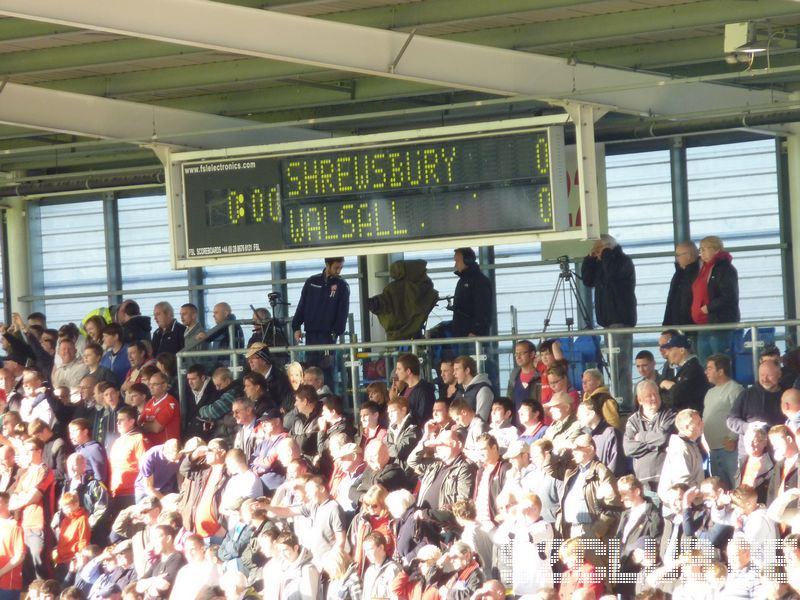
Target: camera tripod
(273, 331)
(567, 289)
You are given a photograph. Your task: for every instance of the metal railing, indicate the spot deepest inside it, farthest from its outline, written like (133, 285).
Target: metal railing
(355, 351)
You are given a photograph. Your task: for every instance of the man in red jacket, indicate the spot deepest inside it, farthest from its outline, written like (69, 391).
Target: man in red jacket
(161, 416)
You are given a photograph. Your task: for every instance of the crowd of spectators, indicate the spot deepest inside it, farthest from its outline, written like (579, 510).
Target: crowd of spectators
(261, 485)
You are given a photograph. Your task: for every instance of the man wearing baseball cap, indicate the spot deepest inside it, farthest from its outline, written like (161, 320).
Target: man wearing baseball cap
(690, 385)
(269, 433)
(521, 476)
(277, 388)
(565, 426)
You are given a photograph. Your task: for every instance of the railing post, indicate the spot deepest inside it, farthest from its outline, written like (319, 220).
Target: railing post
(612, 363)
(478, 357)
(514, 317)
(232, 346)
(354, 381)
(182, 400)
(755, 351)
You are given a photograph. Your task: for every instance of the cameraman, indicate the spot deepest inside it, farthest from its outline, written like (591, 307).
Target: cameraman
(473, 298)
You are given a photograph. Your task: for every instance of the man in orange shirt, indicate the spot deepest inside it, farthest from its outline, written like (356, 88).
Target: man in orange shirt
(161, 416)
(34, 498)
(12, 552)
(123, 458)
(72, 525)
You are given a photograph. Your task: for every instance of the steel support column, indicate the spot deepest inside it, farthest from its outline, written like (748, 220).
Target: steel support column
(785, 224)
(680, 190)
(113, 259)
(793, 217)
(26, 268)
(195, 278)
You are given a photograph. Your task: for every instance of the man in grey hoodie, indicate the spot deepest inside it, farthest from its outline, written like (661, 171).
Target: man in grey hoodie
(474, 387)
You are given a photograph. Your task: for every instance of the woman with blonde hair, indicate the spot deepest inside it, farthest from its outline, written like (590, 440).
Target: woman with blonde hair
(373, 516)
(715, 297)
(343, 580)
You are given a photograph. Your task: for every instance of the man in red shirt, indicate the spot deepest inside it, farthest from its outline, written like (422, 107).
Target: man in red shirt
(12, 552)
(161, 416)
(34, 498)
(124, 457)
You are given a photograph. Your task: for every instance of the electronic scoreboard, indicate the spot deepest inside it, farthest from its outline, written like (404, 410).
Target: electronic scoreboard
(368, 194)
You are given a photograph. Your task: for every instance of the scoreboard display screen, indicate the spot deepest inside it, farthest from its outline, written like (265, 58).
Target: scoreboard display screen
(473, 185)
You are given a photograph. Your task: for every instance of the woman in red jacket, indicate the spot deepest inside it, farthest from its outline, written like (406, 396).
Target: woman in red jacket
(715, 297)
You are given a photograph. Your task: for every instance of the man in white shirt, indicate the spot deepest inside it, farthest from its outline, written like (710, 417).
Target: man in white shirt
(245, 415)
(35, 404)
(382, 570)
(243, 483)
(502, 423)
(72, 368)
(755, 526)
(196, 573)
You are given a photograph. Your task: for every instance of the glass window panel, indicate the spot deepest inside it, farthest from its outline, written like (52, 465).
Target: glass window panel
(733, 192)
(145, 254)
(73, 258)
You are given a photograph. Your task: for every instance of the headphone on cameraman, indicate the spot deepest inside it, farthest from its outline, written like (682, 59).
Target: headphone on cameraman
(468, 255)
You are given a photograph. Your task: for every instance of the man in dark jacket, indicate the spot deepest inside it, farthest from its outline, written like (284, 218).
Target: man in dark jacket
(761, 402)
(322, 310)
(221, 338)
(421, 394)
(785, 475)
(135, 326)
(169, 335)
(277, 389)
(473, 298)
(679, 299)
(448, 476)
(690, 385)
(611, 273)
(640, 525)
(201, 393)
(305, 429)
(381, 471)
(403, 433)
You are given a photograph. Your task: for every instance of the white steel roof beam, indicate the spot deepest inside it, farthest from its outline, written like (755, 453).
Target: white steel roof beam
(79, 114)
(341, 46)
